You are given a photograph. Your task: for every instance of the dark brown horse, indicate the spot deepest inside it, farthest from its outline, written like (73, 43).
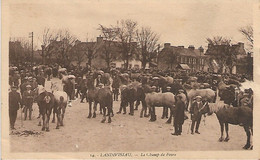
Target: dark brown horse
(45, 101)
(226, 114)
(105, 100)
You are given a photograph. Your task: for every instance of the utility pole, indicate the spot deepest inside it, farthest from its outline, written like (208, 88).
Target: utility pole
(31, 36)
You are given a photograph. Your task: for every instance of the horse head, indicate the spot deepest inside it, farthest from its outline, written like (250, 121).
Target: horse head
(206, 109)
(47, 98)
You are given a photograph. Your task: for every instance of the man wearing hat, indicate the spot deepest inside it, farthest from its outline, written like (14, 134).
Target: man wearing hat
(179, 116)
(28, 96)
(195, 114)
(14, 103)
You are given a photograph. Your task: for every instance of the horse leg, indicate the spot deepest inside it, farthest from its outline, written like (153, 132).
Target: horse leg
(137, 104)
(53, 119)
(221, 130)
(62, 116)
(104, 115)
(95, 108)
(58, 120)
(170, 118)
(43, 122)
(246, 128)
(166, 112)
(40, 120)
(227, 136)
(154, 113)
(109, 112)
(131, 108)
(47, 120)
(90, 109)
(163, 114)
(100, 109)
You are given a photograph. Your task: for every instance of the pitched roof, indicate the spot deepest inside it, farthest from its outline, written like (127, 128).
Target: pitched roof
(184, 51)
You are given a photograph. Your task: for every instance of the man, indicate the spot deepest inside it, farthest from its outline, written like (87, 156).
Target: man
(195, 114)
(28, 96)
(14, 103)
(179, 116)
(115, 86)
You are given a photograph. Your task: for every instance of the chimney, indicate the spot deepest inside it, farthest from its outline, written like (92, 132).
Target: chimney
(99, 39)
(191, 47)
(167, 45)
(241, 45)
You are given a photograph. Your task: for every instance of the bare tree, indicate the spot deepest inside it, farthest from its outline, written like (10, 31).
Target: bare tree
(65, 45)
(46, 38)
(108, 46)
(78, 52)
(221, 49)
(91, 50)
(248, 32)
(148, 44)
(125, 34)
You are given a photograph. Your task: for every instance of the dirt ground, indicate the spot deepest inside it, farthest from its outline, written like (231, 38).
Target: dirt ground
(125, 133)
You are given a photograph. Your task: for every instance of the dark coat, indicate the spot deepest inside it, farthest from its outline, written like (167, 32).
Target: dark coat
(28, 98)
(179, 113)
(194, 109)
(14, 101)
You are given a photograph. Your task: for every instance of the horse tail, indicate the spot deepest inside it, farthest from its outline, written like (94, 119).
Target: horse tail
(61, 99)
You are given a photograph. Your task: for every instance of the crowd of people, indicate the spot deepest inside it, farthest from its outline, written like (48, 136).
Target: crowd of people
(25, 78)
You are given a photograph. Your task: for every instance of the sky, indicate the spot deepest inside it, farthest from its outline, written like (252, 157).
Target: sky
(181, 23)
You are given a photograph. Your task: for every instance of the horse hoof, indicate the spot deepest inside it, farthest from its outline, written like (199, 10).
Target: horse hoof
(168, 122)
(103, 121)
(162, 117)
(47, 130)
(226, 139)
(220, 139)
(246, 146)
(43, 128)
(251, 148)
(141, 116)
(118, 112)
(57, 127)
(94, 115)
(89, 116)
(146, 115)
(39, 124)
(109, 121)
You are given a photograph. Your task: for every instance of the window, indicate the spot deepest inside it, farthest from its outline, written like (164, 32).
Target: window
(194, 60)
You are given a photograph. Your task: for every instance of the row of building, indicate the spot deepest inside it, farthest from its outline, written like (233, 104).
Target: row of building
(179, 58)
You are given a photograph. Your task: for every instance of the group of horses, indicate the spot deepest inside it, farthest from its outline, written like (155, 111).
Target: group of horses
(138, 91)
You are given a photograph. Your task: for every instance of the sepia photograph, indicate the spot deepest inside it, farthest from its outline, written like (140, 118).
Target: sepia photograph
(129, 79)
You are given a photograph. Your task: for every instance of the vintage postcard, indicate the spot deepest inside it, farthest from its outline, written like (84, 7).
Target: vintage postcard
(139, 79)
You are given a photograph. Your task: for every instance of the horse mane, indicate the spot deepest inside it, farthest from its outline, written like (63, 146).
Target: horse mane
(215, 107)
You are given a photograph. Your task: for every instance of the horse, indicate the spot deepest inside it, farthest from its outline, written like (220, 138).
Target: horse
(45, 101)
(206, 94)
(105, 100)
(154, 99)
(227, 114)
(60, 104)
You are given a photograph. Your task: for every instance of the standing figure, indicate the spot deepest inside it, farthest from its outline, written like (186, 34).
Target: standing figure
(14, 102)
(115, 86)
(28, 96)
(179, 115)
(195, 114)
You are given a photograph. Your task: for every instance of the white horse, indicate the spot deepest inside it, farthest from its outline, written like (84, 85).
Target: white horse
(61, 102)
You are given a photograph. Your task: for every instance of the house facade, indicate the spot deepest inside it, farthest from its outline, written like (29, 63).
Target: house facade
(180, 58)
